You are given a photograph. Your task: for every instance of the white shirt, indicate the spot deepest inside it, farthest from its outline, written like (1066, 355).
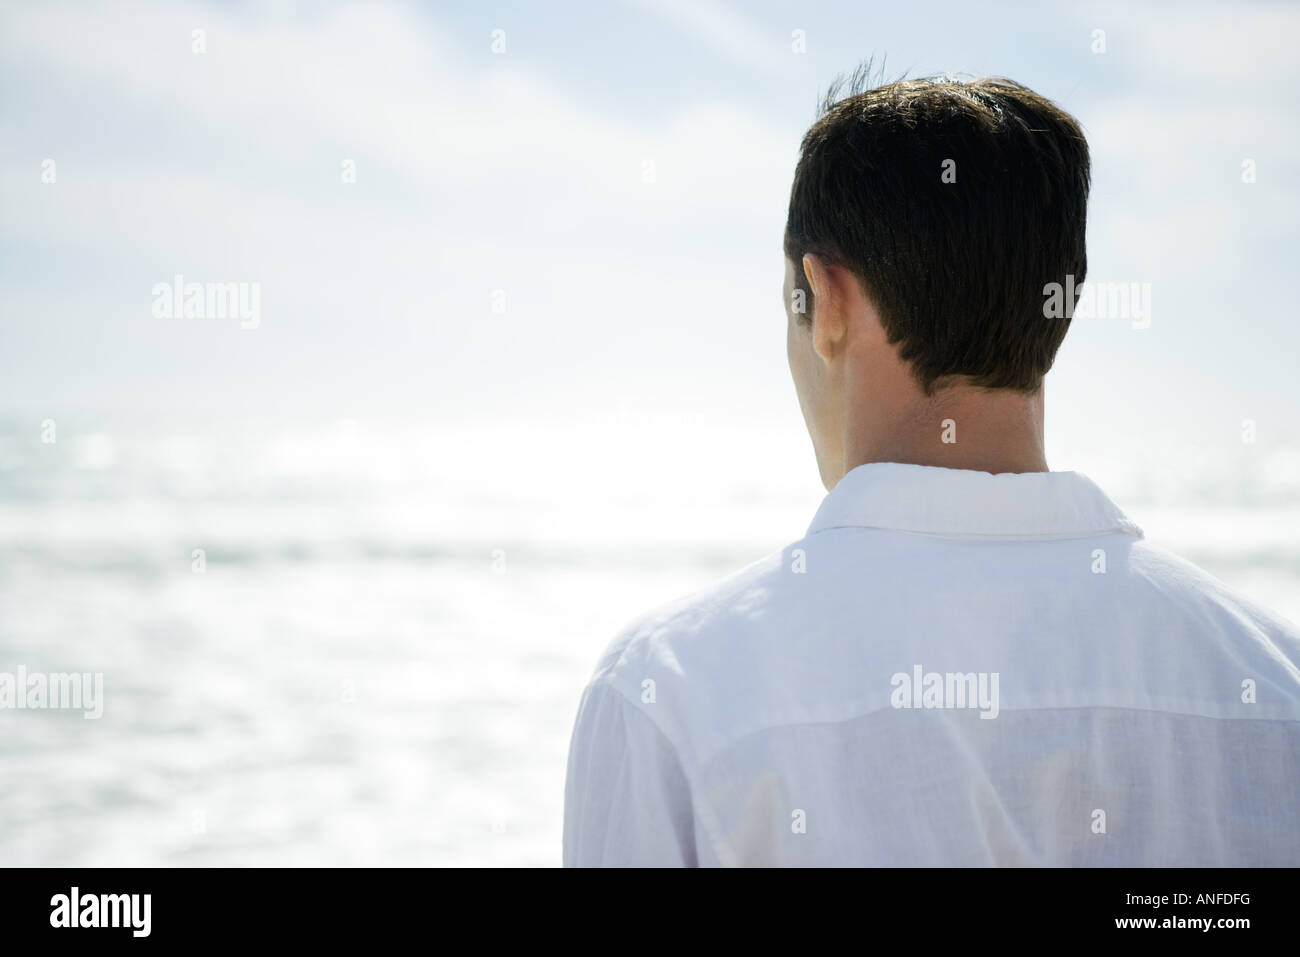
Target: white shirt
(1098, 701)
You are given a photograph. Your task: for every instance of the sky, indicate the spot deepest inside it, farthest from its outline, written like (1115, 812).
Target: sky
(562, 209)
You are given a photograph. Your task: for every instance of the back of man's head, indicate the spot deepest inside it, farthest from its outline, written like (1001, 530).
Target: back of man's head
(954, 203)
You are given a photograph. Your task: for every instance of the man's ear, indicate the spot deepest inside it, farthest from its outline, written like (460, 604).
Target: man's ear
(814, 271)
(827, 313)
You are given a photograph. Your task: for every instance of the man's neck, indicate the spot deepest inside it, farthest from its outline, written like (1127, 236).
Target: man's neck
(962, 427)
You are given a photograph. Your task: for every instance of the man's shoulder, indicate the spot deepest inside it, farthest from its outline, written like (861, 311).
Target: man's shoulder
(696, 665)
(698, 625)
(1205, 598)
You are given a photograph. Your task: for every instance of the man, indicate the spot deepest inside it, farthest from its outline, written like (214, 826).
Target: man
(968, 659)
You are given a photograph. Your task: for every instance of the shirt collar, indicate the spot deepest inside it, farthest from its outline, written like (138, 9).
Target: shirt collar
(963, 503)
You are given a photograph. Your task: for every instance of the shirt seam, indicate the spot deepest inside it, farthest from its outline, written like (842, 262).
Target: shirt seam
(713, 754)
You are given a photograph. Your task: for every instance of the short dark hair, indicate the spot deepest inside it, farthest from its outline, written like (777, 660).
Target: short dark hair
(956, 269)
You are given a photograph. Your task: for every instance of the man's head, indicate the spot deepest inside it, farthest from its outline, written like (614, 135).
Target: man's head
(925, 219)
